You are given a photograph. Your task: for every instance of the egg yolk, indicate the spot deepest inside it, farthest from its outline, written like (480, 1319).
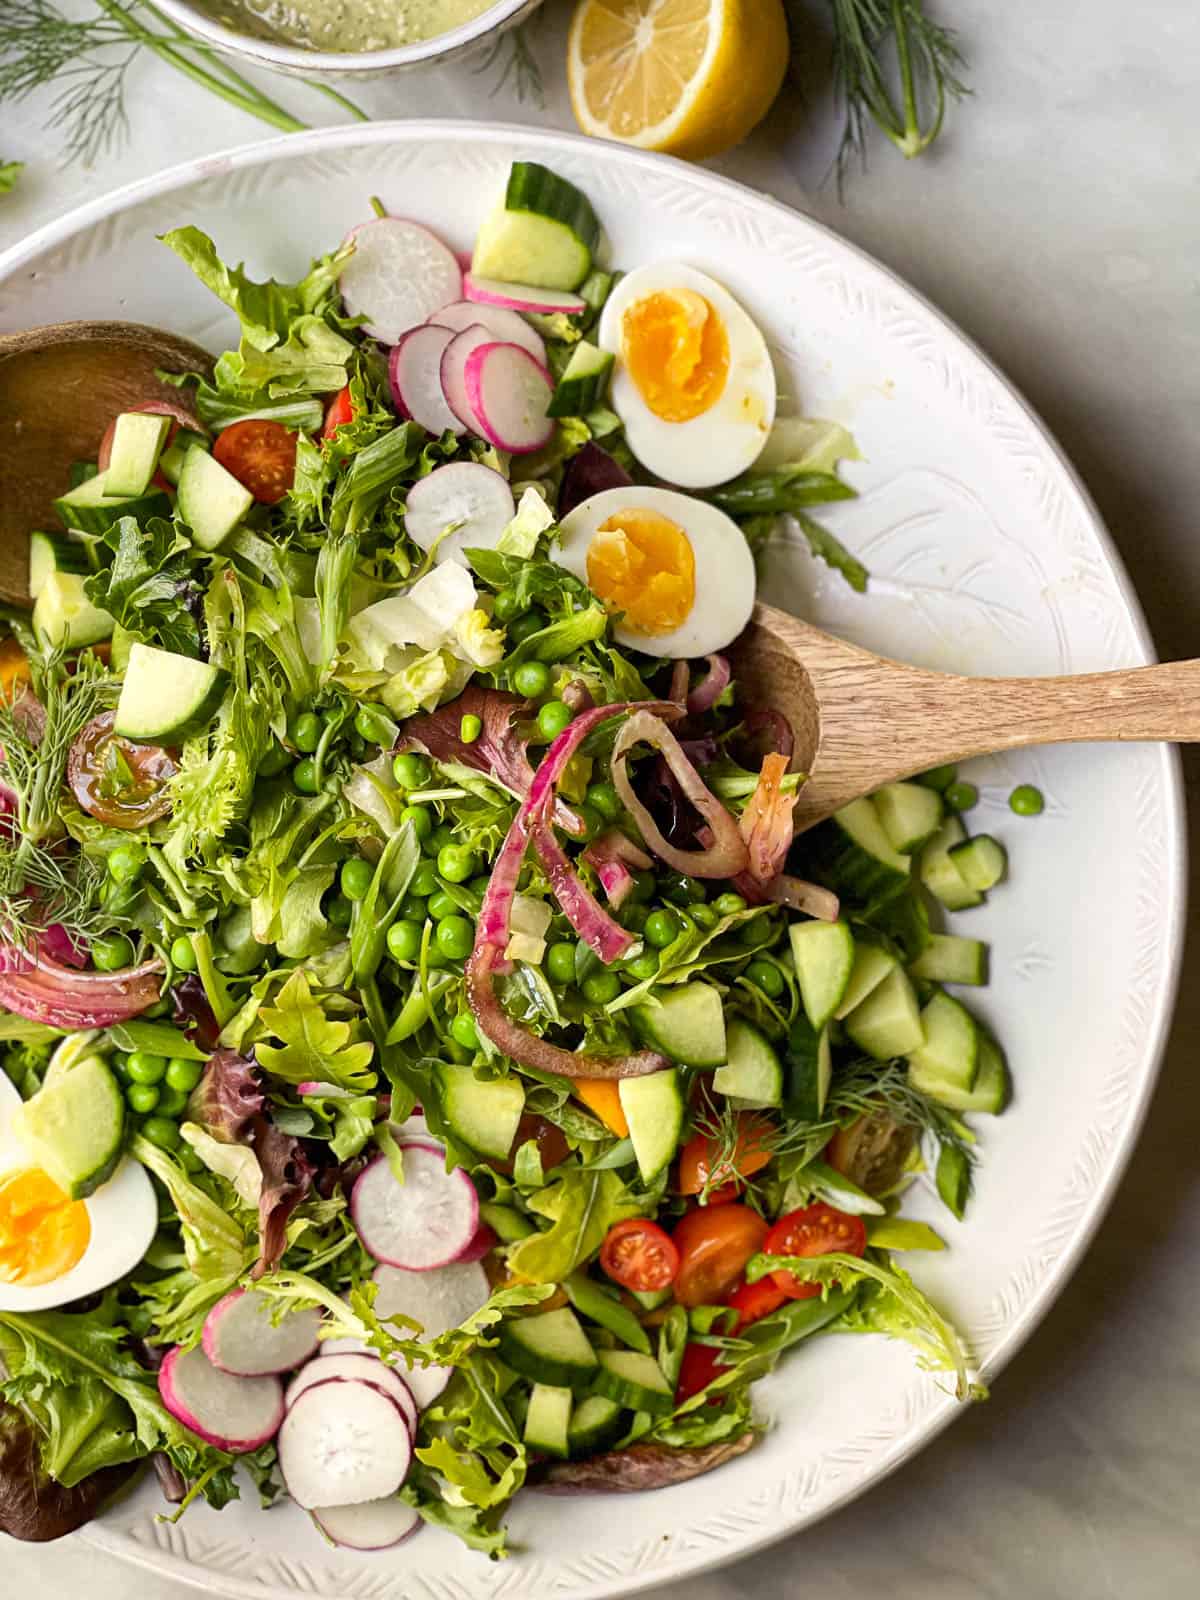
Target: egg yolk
(42, 1232)
(677, 352)
(642, 563)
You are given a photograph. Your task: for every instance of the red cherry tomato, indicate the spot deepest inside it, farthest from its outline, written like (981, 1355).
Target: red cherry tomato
(339, 412)
(701, 1363)
(754, 1300)
(638, 1255)
(813, 1231)
(701, 1163)
(714, 1245)
(261, 455)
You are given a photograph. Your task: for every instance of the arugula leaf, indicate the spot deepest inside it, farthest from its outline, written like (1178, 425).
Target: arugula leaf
(582, 1206)
(150, 589)
(157, 1038)
(695, 949)
(314, 1047)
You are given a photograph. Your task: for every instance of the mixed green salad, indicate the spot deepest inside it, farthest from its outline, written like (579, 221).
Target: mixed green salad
(412, 987)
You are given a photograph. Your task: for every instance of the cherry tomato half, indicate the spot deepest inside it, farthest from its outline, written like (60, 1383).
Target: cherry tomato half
(701, 1164)
(701, 1363)
(261, 455)
(714, 1244)
(813, 1231)
(116, 781)
(873, 1151)
(754, 1300)
(637, 1254)
(551, 1142)
(339, 411)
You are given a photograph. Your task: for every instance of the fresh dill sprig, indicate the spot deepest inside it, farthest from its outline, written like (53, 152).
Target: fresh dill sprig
(521, 67)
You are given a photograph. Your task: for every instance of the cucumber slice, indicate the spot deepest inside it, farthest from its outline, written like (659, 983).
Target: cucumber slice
(688, 1024)
(137, 443)
(550, 1347)
(165, 697)
(605, 1308)
(595, 1422)
(484, 1113)
(548, 1418)
(73, 1127)
(853, 855)
(584, 383)
(938, 872)
(823, 954)
(949, 1057)
(170, 463)
(910, 813)
(872, 963)
(981, 861)
(633, 1380)
(49, 552)
(752, 1074)
(543, 232)
(64, 617)
(887, 1023)
(811, 1067)
(948, 958)
(992, 1088)
(210, 500)
(653, 1108)
(90, 508)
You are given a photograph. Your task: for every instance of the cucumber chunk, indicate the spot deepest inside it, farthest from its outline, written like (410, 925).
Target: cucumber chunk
(910, 813)
(948, 958)
(49, 552)
(854, 856)
(584, 383)
(688, 1024)
(823, 954)
(548, 1419)
(981, 861)
(992, 1089)
(64, 617)
(938, 872)
(872, 963)
(550, 1347)
(949, 1057)
(888, 1023)
(633, 1380)
(137, 443)
(165, 697)
(89, 508)
(483, 1112)
(170, 463)
(653, 1108)
(210, 500)
(752, 1074)
(73, 1127)
(810, 1069)
(543, 232)
(595, 1422)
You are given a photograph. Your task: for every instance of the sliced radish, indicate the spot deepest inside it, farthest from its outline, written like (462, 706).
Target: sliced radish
(509, 327)
(235, 1414)
(438, 1300)
(424, 1222)
(370, 1525)
(510, 392)
(356, 1368)
(343, 1443)
(399, 275)
(414, 373)
(344, 1347)
(453, 371)
(241, 1338)
(415, 1127)
(484, 1240)
(465, 492)
(521, 297)
(423, 1382)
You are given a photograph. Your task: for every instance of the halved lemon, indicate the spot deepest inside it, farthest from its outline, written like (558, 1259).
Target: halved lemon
(689, 77)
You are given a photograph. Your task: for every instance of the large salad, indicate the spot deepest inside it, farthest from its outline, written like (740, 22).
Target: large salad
(431, 1064)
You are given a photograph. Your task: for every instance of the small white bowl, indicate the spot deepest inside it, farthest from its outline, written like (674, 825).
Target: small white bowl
(294, 58)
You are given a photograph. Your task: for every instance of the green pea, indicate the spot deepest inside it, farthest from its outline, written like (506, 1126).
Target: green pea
(703, 916)
(304, 776)
(142, 1067)
(161, 1131)
(183, 1074)
(684, 890)
(456, 864)
(553, 716)
(593, 822)
(119, 1062)
(601, 988)
(182, 954)
(464, 1032)
(305, 732)
(643, 887)
(751, 931)
(372, 724)
(939, 778)
(442, 905)
(413, 909)
(126, 863)
(404, 940)
(455, 936)
(171, 1102)
(728, 905)
(479, 886)
(521, 628)
(634, 916)
(141, 1097)
(531, 678)
(506, 606)
(1027, 800)
(421, 818)
(643, 966)
(189, 1160)
(662, 928)
(339, 911)
(424, 880)
(276, 760)
(962, 796)
(767, 976)
(603, 797)
(411, 770)
(441, 836)
(356, 877)
(560, 963)
(470, 728)
(111, 951)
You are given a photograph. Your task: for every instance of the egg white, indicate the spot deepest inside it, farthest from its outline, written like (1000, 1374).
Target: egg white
(725, 578)
(725, 439)
(123, 1214)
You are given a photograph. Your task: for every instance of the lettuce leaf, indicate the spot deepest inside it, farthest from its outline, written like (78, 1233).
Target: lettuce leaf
(149, 588)
(581, 1206)
(313, 1046)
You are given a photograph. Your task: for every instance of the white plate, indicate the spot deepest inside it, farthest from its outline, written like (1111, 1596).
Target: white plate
(987, 556)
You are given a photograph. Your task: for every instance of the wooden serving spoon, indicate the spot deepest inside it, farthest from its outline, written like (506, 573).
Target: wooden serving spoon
(861, 720)
(60, 387)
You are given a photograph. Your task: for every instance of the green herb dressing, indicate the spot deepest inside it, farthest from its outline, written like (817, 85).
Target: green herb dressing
(347, 26)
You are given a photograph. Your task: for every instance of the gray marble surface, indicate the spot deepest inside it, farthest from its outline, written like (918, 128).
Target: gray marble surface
(1059, 224)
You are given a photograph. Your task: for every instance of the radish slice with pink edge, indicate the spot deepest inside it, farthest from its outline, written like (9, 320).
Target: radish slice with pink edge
(424, 1382)
(463, 492)
(343, 1443)
(422, 1223)
(522, 297)
(439, 1301)
(398, 276)
(414, 375)
(243, 1335)
(370, 1525)
(453, 371)
(362, 1366)
(235, 1414)
(509, 327)
(510, 392)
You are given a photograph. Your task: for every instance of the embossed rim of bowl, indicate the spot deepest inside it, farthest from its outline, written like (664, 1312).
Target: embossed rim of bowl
(292, 58)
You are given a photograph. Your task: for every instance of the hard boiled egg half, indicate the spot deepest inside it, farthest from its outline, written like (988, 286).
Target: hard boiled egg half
(54, 1249)
(692, 380)
(678, 570)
